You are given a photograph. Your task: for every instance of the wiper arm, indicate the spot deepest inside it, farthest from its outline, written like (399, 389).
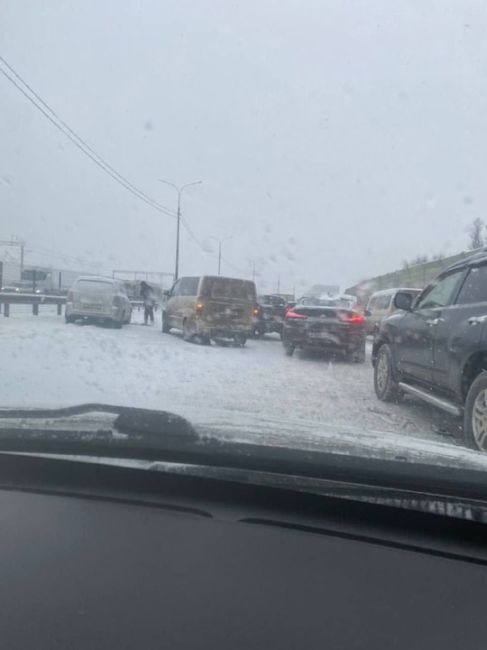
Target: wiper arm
(63, 431)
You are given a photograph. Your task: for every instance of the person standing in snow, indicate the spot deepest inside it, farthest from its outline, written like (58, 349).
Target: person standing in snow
(147, 295)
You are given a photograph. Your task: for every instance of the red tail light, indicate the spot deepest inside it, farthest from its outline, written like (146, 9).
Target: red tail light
(355, 319)
(292, 315)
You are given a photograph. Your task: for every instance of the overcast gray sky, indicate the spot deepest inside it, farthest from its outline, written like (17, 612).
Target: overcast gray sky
(335, 138)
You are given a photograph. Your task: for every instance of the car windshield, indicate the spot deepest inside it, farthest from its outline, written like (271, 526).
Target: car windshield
(227, 211)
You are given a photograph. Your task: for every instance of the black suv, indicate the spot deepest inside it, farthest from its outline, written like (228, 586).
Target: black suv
(435, 348)
(271, 312)
(325, 325)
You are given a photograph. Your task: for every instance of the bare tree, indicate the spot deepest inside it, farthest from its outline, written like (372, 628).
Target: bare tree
(475, 232)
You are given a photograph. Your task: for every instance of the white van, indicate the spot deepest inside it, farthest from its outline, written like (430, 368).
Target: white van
(381, 305)
(100, 299)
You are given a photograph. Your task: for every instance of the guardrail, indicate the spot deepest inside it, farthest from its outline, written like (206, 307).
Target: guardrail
(34, 299)
(37, 299)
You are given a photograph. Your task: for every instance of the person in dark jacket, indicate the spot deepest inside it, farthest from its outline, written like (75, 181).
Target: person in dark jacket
(147, 295)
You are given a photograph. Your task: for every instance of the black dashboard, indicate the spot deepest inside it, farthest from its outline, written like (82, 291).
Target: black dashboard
(106, 557)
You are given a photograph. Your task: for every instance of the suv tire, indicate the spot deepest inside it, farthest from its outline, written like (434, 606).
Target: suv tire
(289, 349)
(358, 356)
(385, 386)
(475, 414)
(239, 340)
(165, 325)
(188, 334)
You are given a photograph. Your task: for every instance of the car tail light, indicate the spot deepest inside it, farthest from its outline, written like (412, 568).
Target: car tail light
(355, 319)
(200, 305)
(293, 315)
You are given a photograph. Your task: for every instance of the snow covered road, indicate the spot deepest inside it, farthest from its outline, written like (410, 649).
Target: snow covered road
(255, 392)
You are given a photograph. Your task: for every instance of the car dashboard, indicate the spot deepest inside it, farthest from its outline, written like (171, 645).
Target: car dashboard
(107, 557)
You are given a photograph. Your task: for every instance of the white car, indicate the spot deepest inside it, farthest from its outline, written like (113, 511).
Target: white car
(100, 299)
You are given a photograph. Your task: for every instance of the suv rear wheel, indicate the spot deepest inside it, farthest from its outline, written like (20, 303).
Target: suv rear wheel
(165, 324)
(289, 349)
(475, 414)
(358, 356)
(239, 340)
(188, 333)
(386, 387)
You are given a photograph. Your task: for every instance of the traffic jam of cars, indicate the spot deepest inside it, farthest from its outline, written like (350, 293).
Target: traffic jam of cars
(428, 344)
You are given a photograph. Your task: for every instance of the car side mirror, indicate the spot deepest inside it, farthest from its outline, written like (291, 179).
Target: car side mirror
(403, 300)
(367, 313)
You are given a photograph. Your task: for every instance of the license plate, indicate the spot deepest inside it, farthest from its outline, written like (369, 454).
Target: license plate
(318, 335)
(324, 336)
(92, 307)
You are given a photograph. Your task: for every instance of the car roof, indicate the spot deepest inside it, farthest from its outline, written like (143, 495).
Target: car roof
(480, 257)
(223, 277)
(384, 292)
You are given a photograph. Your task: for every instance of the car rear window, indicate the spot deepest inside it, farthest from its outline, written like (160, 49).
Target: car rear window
(95, 286)
(228, 288)
(189, 286)
(384, 302)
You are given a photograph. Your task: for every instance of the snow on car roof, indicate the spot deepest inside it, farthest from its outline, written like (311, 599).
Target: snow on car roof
(383, 292)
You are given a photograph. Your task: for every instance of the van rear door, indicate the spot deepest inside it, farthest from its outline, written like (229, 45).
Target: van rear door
(93, 297)
(228, 302)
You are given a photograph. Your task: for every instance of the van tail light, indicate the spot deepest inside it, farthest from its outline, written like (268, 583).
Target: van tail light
(354, 319)
(294, 315)
(200, 306)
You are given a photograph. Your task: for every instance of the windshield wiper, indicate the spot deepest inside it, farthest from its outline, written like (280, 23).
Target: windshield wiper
(100, 430)
(90, 425)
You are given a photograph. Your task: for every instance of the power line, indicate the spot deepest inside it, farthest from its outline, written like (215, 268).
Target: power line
(193, 236)
(53, 117)
(62, 126)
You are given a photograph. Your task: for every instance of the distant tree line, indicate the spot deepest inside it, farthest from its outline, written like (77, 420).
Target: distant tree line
(476, 234)
(422, 259)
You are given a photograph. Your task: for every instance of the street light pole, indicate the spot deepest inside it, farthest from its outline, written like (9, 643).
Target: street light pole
(220, 242)
(179, 190)
(178, 228)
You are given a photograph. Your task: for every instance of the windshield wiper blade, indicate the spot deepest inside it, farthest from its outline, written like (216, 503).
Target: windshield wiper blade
(66, 426)
(144, 434)
(129, 418)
